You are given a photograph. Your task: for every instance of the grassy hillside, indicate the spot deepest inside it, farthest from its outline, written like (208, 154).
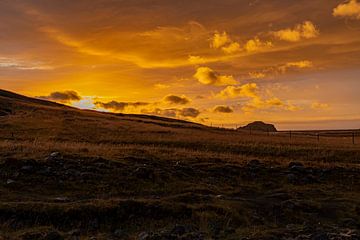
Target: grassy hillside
(76, 174)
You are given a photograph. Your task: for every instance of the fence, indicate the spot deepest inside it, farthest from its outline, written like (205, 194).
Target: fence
(350, 136)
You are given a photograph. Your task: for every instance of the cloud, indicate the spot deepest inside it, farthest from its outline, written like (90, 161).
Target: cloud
(120, 106)
(208, 76)
(255, 101)
(173, 99)
(306, 30)
(246, 90)
(65, 97)
(350, 9)
(320, 106)
(256, 44)
(196, 60)
(223, 109)
(291, 65)
(259, 103)
(161, 86)
(219, 40)
(23, 65)
(228, 46)
(189, 112)
(232, 48)
(174, 112)
(257, 75)
(281, 69)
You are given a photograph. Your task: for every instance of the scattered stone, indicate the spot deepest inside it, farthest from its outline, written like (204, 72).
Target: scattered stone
(291, 178)
(54, 156)
(320, 236)
(94, 224)
(143, 236)
(27, 169)
(178, 230)
(120, 233)
(144, 173)
(298, 164)
(254, 163)
(53, 235)
(46, 171)
(61, 199)
(74, 233)
(10, 181)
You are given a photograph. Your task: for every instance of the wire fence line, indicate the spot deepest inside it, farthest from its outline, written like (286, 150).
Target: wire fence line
(351, 136)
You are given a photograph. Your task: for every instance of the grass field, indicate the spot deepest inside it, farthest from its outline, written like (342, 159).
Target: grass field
(77, 174)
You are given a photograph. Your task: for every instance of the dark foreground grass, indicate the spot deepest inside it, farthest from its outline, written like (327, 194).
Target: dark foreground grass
(71, 174)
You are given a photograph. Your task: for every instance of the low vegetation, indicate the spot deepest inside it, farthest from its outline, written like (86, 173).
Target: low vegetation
(75, 174)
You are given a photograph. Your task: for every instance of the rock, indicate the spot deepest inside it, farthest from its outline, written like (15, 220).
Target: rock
(87, 175)
(61, 199)
(320, 236)
(291, 178)
(310, 179)
(53, 235)
(254, 163)
(120, 233)
(143, 236)
(144, 173)
(178, 230)
(54, 156)
(94, 224)
(74, 233)
(297, 167)
(10, 181)
(298, 164)
(46, 171)
(27, 169)
(259, 126)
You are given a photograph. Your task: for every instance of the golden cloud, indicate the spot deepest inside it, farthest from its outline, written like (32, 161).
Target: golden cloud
(259, 103)
(321, 106)
(219, 40)
(281, 69)
(257, 75)
(306, 30)
(351, 9)
(246, 90)
(232, 48)
(119, 106)
(250, 90)
(173, 112)
(223, 109)
(299, 64)
(196, 60)
(173, 99)
(64, 97)
(255, 44)
(207, 76)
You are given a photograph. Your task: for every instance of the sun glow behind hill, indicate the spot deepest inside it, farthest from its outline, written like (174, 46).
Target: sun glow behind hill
(213, 63)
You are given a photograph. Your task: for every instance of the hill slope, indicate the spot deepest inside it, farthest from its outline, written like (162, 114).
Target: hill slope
(67, 173)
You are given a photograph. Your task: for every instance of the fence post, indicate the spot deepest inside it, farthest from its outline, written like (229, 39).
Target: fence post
(318, 137)
(353, 138)
(250, 130)
(290, 134)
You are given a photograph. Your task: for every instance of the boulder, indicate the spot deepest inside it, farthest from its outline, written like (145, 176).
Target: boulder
(259, 126)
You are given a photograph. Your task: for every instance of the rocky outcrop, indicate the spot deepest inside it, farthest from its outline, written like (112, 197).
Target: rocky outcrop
(259, 126)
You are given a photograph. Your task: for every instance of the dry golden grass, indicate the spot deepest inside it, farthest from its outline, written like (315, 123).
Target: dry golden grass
(143, 173)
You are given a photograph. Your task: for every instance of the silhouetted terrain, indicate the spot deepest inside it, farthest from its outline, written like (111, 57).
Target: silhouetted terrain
(77, 174)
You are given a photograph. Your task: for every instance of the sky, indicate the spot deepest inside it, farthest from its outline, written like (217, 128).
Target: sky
(295, 64)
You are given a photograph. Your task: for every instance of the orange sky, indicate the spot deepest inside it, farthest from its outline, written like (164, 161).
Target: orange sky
(229, 62)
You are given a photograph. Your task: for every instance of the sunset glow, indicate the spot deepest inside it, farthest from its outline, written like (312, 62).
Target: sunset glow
(292, 63)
